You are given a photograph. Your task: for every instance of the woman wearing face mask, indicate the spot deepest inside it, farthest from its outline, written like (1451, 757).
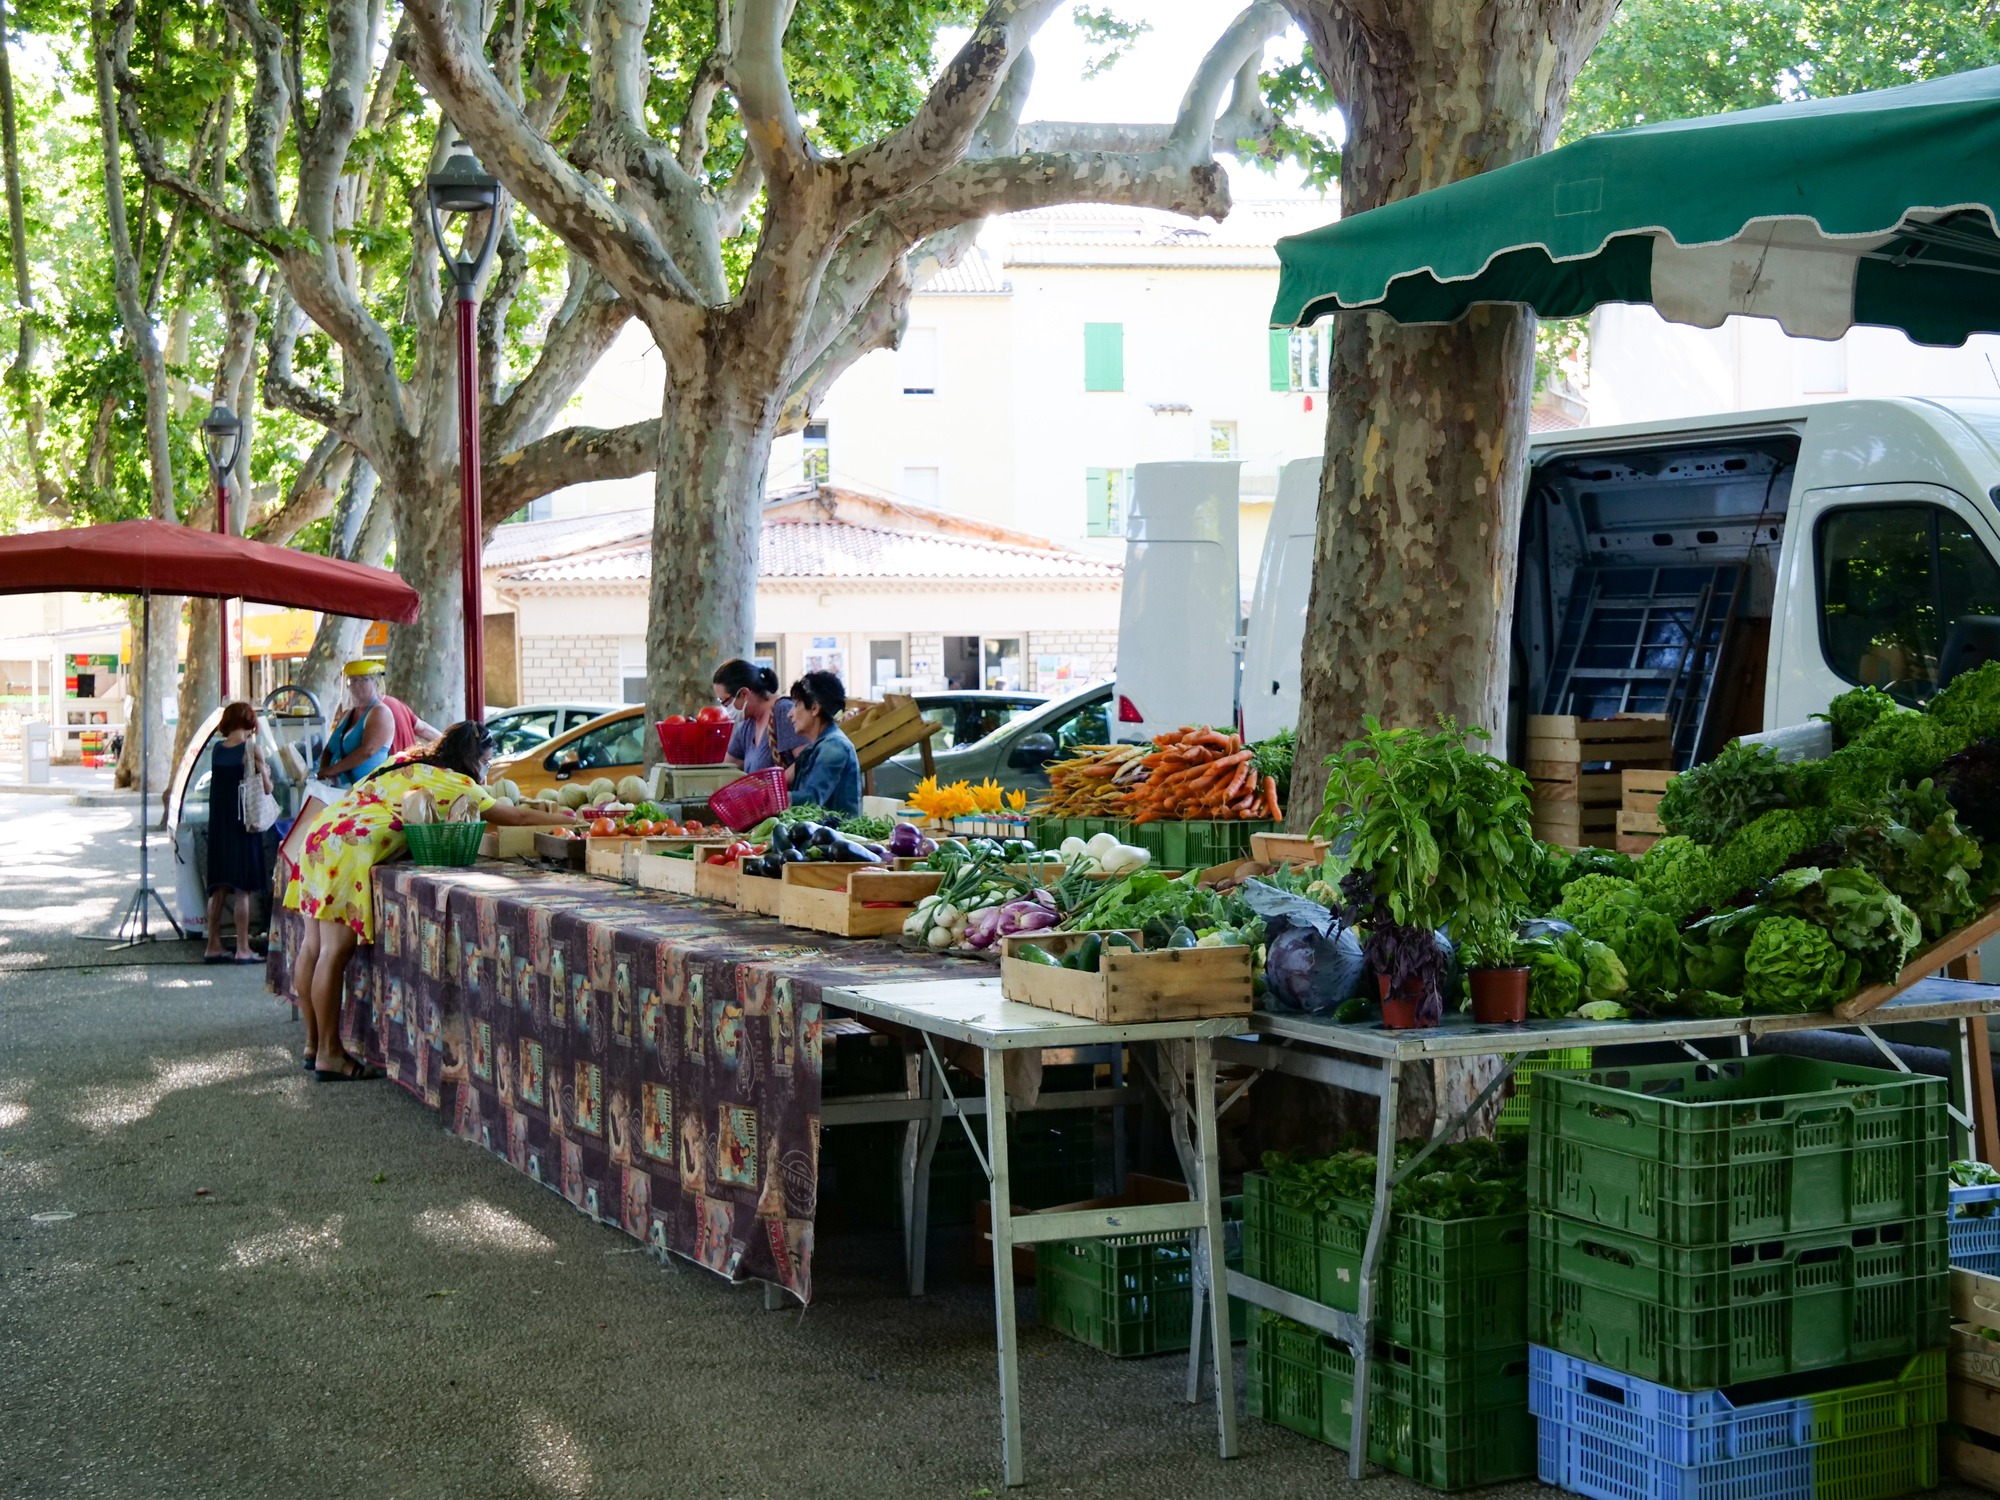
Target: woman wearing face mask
(764, 734)
(828, 772)
(335, 888)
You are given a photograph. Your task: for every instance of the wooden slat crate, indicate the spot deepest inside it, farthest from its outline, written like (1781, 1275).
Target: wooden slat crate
(847, 900)
(1288, 848)
(880, 730)
(507, 843)
(1577, 807)
(1973, 1376)
(757, 895)
(1167, 984)
(715, 882)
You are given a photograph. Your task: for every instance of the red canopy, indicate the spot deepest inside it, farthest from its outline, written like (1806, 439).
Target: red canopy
(156, 557)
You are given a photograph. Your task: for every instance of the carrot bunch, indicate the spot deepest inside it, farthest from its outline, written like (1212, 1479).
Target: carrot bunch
(1204, 774)
(1092, 783)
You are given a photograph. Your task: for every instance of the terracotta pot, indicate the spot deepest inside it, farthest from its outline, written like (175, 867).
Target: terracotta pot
(1500, 996)
(1399, 1011)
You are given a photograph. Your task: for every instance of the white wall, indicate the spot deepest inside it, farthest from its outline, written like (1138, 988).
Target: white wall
(1645, 369)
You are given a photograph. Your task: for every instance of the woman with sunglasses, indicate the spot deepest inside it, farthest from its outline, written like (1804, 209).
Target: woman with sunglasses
(334, 887)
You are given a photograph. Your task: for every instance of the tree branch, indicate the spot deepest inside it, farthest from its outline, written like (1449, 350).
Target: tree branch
(777, 137)
(312, 495)
(282, 390)
(575, 455)
(577, 337)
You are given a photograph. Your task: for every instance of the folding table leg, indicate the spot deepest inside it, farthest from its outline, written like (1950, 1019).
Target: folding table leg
(1371, 1255)
(1003, 1271)
(1210, 1188)
(917, 1176)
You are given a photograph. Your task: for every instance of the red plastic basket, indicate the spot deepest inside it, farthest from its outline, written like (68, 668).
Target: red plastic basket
(694, 743)
(749, 800)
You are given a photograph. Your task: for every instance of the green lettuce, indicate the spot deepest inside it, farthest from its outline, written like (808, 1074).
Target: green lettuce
(1678, 877)
(1792, 967)
(1710, 802)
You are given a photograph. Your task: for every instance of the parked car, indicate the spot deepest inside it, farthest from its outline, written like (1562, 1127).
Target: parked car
(612, 745)
(972, 715)
(520, 729)
(1016, 753)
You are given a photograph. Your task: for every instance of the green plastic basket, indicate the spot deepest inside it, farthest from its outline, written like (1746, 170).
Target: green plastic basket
(1717, 1315)
(448, 845)
(1513, 1117)
(1450, 1423)
(1128, 1295)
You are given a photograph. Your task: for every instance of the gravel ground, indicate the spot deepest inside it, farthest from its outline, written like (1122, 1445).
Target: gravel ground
(265, 1287)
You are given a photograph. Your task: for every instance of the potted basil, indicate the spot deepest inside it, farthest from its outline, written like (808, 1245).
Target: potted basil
(1497, 974)
(1437, 837)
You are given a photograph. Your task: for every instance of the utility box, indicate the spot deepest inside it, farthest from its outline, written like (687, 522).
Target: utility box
(34, 751)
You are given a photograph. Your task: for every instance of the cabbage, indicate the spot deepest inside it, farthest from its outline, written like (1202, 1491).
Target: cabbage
(1793, 967)
(1555, 980)
(1678, 877)
(1603, 974)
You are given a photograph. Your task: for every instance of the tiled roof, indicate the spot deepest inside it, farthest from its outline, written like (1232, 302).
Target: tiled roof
(975, 276)
(840, 550)
(537, 541)
(1254, 225)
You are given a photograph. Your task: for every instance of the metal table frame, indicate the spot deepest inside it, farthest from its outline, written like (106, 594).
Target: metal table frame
(1370, 1060)
(972, 1011)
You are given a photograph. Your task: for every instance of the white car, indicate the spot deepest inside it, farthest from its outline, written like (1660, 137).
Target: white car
(518, 729)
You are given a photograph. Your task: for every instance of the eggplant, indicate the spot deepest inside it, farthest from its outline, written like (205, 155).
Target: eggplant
(843, 848)
(823, 835)
(907, 842)
(781, 840)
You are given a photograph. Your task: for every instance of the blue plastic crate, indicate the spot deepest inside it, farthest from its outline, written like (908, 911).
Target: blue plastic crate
(1975, 1228)
(1686, 1429)
(1871, 1468)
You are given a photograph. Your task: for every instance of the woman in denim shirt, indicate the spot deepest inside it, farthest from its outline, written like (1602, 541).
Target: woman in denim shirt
(827, 772)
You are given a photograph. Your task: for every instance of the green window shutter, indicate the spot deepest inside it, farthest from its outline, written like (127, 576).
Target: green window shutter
(1281, 359)
(1104, 356)
(1097, 502)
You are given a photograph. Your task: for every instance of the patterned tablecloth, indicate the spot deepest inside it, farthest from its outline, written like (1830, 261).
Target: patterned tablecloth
(654, 1060)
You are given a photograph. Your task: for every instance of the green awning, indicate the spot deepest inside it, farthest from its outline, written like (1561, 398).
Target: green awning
(1879, 208)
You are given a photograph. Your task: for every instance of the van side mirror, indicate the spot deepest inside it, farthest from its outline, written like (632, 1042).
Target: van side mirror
(1032, 751)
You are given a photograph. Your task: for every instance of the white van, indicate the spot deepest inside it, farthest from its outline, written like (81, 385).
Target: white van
(1180, 606)
(1735, 572)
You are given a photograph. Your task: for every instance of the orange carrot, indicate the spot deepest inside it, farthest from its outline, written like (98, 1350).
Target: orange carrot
(1271, 797)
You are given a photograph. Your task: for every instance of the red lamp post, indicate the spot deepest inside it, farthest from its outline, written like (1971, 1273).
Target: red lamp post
(222, 432)
(463, 187)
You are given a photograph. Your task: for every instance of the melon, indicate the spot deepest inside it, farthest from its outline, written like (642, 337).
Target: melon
(509, 790)
(631, 789)
(573, 796)
(603, 789)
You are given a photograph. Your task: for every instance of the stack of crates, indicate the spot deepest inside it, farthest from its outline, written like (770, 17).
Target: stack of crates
(1448, 1388)
(1975, 1228)
(1738, 1280)
(1131, 1294)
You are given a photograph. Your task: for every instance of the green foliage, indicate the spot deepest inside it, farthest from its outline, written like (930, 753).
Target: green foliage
(1710, 802)
(1110, 34)
(1856, 910)
(1555, 979)
(1767, 844)
(1856, 709)
(1473, 1179)
(1676, 59)
(1679, 877)
(1915, 847)
(1441, 829)
(1296, 92)
(1614, 912)
(1793, 967)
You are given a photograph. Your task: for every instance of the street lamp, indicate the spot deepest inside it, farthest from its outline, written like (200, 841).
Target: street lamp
(461, 187)
(222, 431)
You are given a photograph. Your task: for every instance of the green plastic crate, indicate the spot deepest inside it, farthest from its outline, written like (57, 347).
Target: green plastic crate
(1130, 1295)
(1447, 1423)
(1448, 1286)
(1717, 1315)
(1196, 845)
(1699, 1153)
(1513, 1117)
(1052, 1158)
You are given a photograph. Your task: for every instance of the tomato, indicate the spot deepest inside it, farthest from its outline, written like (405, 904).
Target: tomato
(713, 714)
(675, 719)
(672, 829)
(602, 827)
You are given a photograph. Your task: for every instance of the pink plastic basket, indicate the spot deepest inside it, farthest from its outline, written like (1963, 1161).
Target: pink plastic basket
(749, 800)
(693, 743)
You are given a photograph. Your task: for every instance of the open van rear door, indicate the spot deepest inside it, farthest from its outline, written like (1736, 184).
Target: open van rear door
(1181, 607)
(1275, 638)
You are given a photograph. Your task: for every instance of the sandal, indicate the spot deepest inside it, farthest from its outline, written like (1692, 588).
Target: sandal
(215, 958)
(245, 958)
(362, 1072)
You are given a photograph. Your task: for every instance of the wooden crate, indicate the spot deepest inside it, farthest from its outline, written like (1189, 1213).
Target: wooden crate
(1973, 1379)
(880, 730)
(1165, 984)
(757, 894)
(715, 882)
(844, 899)
(1579, 808)
(666, 872)
(604, 856)
(507, 843)
(559, 850)
(1288, 849)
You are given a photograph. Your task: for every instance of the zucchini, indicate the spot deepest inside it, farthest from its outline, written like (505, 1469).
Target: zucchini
(1087, 954)
(1120, 940)
(1035, 953)
(1181, 937)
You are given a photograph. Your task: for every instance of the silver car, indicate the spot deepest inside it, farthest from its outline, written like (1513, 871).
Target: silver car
(1016, 753)
(532, 724)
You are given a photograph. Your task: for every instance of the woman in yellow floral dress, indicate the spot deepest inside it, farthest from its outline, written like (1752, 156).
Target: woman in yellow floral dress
(334, 887)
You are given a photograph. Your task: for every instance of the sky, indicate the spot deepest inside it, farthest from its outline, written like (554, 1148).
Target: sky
(1146, 84)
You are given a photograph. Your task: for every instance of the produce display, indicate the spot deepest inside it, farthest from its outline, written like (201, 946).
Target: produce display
(1190, 774)
(1102, 854)
(960, 799)
(801, 842)
(980, 900)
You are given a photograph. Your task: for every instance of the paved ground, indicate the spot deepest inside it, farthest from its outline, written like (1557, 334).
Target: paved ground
(273, 1288)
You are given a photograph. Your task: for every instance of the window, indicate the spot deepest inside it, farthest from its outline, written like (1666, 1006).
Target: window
(1104, 356)
(513, 733)
(1001, 665)
(967, 720)
(1299, 357)
(1822, 366)
(1222, 440)
(818, 454)
(617, 744)
(765, 654)
(1089, 723)
(885, 665)
(1107, 496)
(923, 484)
(917, 357)
(1894, 580)
(632, 668)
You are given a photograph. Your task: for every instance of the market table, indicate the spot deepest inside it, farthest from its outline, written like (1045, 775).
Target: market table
(972, 1011)
(654, 1060)
(1369, 1059)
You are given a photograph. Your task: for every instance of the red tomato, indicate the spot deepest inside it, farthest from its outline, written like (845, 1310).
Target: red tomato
(675, 719)
(713, 714)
